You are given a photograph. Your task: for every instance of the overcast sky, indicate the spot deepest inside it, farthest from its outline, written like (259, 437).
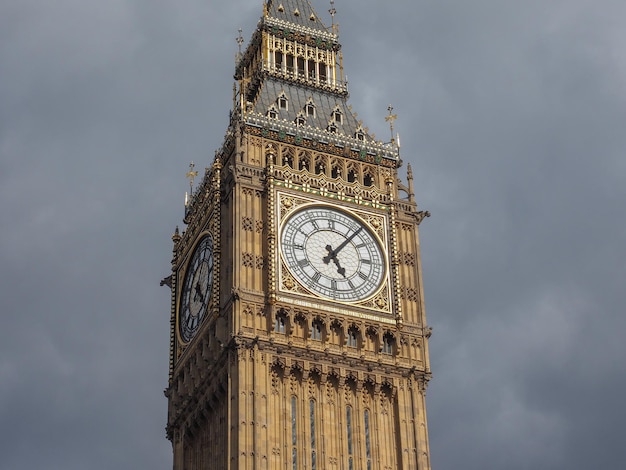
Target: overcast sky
(512, 115)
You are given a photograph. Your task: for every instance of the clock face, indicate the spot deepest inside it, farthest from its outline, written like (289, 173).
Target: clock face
(333, 254)
(196, 289)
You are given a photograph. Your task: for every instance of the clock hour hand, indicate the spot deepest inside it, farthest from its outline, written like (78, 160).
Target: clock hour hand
(332, 254)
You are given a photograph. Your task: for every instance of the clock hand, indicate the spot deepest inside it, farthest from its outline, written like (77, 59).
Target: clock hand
(340, 270)
(332, 254)
(198, 293)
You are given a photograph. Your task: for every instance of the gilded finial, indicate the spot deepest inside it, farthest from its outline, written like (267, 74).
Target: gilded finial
(391, 118)
(191, 174)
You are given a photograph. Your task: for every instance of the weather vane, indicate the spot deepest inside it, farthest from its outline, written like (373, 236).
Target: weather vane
(391, 118)
(191, 174)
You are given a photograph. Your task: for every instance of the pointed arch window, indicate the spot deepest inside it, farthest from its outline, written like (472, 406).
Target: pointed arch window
(303, 163)
(368, 443)
(320, 167)
(352, 175)
(280, 324)
(349, 436)
(294, 433)
(313, 437)
(288, 159)
(316, 330)
(352, 339)
(388, 343)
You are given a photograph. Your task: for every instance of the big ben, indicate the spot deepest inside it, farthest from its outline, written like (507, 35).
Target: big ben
(298, 329)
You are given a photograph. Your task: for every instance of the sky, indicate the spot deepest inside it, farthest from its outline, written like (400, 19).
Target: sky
(512, 115)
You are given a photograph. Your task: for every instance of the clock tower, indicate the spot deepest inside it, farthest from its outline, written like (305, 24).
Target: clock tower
(298, 331)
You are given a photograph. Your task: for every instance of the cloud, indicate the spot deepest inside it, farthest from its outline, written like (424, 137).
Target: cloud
(511, 116)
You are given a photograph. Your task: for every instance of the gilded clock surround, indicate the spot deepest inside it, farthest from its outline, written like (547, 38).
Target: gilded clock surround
(376, 222)
(276, 376)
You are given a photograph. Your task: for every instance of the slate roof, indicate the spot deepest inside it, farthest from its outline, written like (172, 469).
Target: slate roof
(298, 97)
(299, 12)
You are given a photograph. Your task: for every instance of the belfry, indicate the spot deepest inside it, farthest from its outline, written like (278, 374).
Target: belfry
(298, 329)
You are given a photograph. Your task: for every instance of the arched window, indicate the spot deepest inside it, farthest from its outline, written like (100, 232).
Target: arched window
(336, 171)
(316, 330)
(368, 179)
(388, 343)
(294, 433)
(313, 437)
(304, 163)
(288, 159)
(280, 324)
(368, 443)
(352, 339)
(320, 167)
(352, 175)
(349, 437)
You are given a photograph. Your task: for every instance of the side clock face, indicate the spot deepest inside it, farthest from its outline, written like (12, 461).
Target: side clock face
(196, 289)
(333, 254)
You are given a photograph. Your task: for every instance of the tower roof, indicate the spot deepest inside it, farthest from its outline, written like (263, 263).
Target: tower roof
(298, 12)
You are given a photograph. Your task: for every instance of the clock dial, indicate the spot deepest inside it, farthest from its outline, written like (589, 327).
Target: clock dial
(196, 289)
(333, 254)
